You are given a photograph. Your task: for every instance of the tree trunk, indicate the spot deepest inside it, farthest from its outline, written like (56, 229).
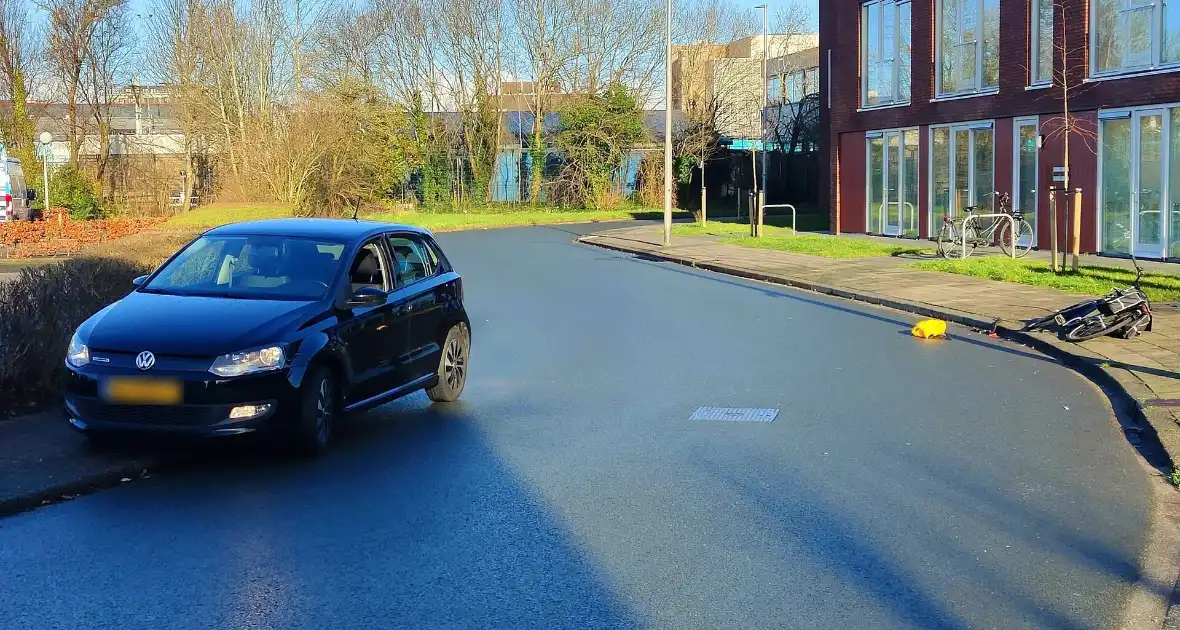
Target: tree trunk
(704, 213)
(72, 116)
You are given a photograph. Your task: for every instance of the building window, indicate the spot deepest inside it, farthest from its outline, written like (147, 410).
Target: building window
(1040, 53)
(774, 89)
(885, 52)
(811, 81)
(1134, 35)
(892, 180)
(968, 53)
(962, 169)
(794, 87)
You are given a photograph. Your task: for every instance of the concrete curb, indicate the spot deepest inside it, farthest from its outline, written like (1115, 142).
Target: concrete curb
(1113, 380)
(77, 486)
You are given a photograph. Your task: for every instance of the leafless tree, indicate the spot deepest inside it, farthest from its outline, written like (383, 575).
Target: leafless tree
(72, 24)
(713, 99)
(1068, 126)
(545, 29)
(108, 60)
(19, 56)
(615, 41)
(173, 48)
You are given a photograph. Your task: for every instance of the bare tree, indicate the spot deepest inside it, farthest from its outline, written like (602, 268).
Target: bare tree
(172, 46)
(18, 58)
(710, 96)
(545, 28)
(1068, 125)
(616, 41)
(471, 67)
(72, 24)
(106, 64)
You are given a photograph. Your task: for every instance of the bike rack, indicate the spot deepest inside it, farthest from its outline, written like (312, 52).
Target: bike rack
(1011, 226)
(782, 205)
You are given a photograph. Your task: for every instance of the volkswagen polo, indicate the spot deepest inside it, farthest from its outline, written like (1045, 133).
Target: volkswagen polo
(273, 326)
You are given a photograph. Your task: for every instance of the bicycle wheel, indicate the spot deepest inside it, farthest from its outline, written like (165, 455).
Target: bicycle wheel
(948, 240)
(1039, 324)
(1024, 232)
(1093, 327)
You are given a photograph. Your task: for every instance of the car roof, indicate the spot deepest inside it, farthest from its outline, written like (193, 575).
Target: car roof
(346, 230)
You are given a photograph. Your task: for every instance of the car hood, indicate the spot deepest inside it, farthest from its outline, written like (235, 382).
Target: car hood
(191, 325)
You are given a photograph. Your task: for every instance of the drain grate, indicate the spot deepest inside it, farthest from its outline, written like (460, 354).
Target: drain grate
(734, 414)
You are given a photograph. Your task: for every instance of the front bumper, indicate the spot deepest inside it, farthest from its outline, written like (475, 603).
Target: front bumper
(204, 410)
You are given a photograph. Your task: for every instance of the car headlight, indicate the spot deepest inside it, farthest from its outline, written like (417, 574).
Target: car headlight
(250, 361)
(77, 354)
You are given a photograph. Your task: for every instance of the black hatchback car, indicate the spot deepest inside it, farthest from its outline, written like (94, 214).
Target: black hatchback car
(278, 325)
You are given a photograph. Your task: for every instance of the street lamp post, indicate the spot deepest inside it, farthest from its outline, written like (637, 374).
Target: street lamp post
(668, 132)
(46, 139)
(762, 119)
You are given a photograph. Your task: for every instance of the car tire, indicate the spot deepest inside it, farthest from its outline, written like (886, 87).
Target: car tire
(452, 365)
(318, 411)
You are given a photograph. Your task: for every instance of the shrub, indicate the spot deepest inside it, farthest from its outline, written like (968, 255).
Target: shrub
(39, 312)
(71, 188)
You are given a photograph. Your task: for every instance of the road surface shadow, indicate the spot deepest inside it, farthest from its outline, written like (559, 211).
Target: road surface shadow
(411, 520)
(799, 511)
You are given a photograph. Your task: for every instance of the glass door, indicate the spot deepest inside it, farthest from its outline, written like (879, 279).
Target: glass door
(875, 182)
(962, 170)
(1147, 192)
(893, 184)
(1025, 174)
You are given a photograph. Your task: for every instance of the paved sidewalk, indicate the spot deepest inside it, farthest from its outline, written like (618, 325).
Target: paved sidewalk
(42, 461)
(1147, 369)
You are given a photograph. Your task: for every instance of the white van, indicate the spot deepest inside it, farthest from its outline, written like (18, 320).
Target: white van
(14, 204)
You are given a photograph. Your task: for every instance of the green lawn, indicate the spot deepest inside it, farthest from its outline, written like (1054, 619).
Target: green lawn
(782, 239)
(222, 213)
(1090, 280)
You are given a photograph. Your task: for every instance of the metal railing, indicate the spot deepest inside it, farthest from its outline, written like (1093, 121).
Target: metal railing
(794, 227)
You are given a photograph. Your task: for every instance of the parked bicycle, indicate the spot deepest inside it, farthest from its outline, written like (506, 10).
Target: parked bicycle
(958, 238)
(1124, 312)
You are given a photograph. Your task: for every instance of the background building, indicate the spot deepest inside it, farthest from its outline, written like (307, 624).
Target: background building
(932, 106)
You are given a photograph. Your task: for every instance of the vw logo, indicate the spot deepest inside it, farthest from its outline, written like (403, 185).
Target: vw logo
(145, 360)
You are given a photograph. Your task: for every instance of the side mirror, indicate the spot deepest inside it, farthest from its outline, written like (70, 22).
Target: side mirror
(30, 194)
(367, 296)
(138, 281)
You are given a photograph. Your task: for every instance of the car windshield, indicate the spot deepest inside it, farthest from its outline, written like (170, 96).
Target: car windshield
(251, 267)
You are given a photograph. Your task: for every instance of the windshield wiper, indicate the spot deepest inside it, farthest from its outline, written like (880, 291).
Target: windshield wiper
(221, 294)
(160, 291)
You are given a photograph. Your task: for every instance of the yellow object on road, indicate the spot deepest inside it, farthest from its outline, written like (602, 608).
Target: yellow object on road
(929, 329)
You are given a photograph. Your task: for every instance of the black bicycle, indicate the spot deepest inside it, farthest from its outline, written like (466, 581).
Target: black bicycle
(1124, 312)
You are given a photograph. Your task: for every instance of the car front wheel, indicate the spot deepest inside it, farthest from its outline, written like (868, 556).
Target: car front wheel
(317, 413)
(452, 365)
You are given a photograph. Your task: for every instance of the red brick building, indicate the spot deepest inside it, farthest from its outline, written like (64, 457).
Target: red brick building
(930, 105)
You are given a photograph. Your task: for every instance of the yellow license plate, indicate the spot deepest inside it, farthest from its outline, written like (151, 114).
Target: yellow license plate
(143, 391)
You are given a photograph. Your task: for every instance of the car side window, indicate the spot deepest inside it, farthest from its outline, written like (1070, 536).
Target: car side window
(413, 259)
(370, 269)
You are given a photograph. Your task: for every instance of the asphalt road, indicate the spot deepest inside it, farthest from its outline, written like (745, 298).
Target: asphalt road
(905, 483)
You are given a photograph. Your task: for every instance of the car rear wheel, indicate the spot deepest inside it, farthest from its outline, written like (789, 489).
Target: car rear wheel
(452, 365)
(317, 414)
